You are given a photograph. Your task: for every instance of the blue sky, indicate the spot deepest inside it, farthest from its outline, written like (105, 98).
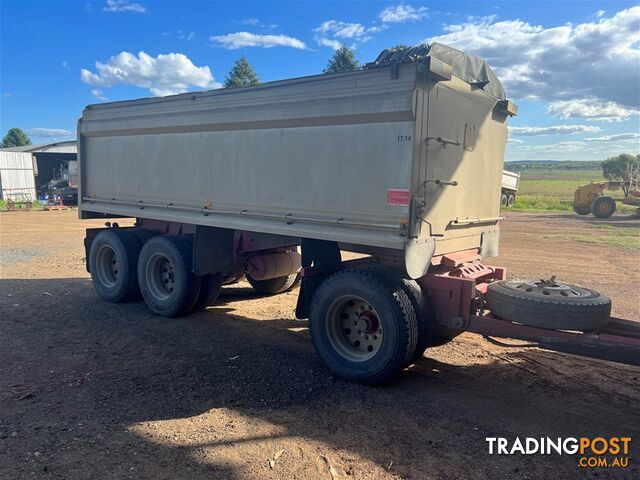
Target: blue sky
(572, 67)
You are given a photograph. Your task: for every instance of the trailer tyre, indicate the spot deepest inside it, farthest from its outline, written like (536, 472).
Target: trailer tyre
(273, 286)
(142, 235)
(603, 207)
(113, 262)
(423, 313)
(548, 304)
(511, 200)
(210, 287)
(363, 326)
(504, 200)
(165, 274)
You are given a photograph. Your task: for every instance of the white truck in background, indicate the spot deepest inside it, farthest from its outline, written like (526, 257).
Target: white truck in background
(510, 184)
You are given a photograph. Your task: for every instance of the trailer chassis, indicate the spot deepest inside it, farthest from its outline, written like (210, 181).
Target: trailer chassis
(454, 287)
(455, 291)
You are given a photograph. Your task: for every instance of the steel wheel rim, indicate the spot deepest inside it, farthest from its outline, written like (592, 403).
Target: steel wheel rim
(107, 266)
(550, 288)
(160, 276)
(354, 328)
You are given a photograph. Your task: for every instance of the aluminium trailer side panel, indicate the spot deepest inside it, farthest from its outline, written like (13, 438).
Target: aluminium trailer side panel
(400, 161)
(328, 157)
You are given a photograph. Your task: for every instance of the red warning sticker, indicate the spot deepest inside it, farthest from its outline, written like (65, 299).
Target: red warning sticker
(398, 196)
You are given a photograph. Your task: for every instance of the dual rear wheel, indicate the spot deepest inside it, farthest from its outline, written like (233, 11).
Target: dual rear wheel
(128, 263)
(367, 325)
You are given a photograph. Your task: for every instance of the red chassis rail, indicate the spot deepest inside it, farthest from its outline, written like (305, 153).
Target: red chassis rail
(618, 341)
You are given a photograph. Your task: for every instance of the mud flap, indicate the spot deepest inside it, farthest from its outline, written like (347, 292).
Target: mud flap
(417, 256)
(323, 255)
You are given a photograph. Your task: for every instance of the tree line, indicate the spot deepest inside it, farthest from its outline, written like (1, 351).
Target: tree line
(242, 73)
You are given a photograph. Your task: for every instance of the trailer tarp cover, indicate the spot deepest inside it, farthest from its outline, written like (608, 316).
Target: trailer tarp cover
(470, 68)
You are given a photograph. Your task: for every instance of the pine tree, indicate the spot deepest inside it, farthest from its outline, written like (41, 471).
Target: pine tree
(241, 75)
(15, 137)
(343, 60)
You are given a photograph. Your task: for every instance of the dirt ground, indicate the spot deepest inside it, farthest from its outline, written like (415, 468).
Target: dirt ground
(96, 390)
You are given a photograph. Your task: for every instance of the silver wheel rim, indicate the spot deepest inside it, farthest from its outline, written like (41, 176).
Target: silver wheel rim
(107, 266)
(549, 288)
(160, 276)
(354, 329)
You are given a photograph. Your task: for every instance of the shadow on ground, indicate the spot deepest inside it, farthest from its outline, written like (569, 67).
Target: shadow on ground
(86, 383)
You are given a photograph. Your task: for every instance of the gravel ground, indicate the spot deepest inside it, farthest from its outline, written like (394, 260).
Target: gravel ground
(96, 390)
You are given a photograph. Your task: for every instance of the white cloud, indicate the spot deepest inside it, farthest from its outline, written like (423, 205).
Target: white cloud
(552, 130)
(250, 21)
(184, 35)
(341, 29)
(123, 6)
(49, 133)
(594, 61)
(166, 74)
(66, 65)
(96, 92)
(402, 13)
(616, 137)
(236, 40)
(5, 94)
(572, 146)
(327, 42)
(334, 33)
(591, 109)
(255, 22)
(515, 140)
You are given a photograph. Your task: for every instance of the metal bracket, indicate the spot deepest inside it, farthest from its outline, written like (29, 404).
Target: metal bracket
(444, 141)
(442, 183)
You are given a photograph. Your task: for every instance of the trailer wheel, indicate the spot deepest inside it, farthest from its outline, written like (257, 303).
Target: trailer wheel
(142, 235)
(424, 318)
(362, 326)
(511, 200)
(504, 200)
(113, 262)
(423, 313)
(276, 285)
(548, 304)
(210, 287)
(603, 207)
(165, 274)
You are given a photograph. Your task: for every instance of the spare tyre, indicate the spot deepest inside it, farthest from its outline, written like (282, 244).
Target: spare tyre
(549, 304)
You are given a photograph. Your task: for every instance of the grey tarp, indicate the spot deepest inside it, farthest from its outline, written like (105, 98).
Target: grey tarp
(470, 68)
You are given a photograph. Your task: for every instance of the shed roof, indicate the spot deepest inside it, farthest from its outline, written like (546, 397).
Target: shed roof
(69, 146)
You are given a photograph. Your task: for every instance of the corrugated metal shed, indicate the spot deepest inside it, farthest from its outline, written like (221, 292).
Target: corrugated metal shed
(17, 180)
(56, 147)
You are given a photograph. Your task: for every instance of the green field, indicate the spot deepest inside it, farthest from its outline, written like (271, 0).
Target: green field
(553, 189)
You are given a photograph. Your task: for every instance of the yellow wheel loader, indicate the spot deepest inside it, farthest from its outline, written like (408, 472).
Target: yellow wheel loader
(590, 198)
